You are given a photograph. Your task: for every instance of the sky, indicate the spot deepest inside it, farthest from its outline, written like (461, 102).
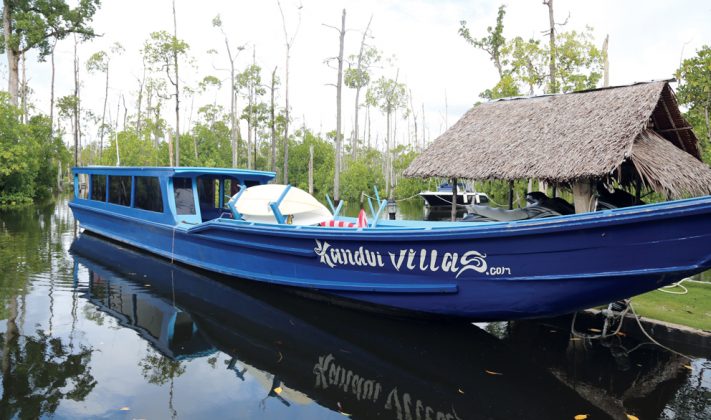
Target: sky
(445, 74)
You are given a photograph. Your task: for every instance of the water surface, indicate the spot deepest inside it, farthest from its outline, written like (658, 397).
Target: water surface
(89, 328)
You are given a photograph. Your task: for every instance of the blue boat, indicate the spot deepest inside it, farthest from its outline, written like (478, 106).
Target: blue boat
(480, 271)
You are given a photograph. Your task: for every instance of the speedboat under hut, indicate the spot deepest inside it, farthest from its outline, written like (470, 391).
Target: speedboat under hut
(632, 137)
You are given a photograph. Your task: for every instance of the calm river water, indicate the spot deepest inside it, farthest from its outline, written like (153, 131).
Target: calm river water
(89, 328)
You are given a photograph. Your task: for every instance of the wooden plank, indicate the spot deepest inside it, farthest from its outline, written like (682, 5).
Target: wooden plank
(673, 124)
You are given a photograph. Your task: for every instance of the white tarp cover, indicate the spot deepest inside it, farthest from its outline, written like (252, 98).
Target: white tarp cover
(254, 202)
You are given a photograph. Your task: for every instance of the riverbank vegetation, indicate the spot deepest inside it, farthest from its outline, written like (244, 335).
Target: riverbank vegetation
(168, 121)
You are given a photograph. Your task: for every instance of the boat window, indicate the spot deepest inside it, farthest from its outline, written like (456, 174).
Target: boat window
(208, 192)
(232, 187)
(184, 199)
(249, 183)
(148, 194)
(83, 187)
(98, 187)
(120, 190)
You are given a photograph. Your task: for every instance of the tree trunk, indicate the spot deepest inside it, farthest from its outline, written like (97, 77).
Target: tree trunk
(233, 105)
(118, 112)
(289, 43)
(13, 58)
(170, 149)
(583, 197)
(414, 119)
(339, 135)
(285, 174)
(354, 141)
(77, 136)
(551, 62)
(250, 117)
(177, 92)
(605, 63)
(311, 169)
(24, 90)
(708, 126)
(424, 142)
(273, 123)
(388, 161)
(140, 99)
(51, 93)
(103, 113)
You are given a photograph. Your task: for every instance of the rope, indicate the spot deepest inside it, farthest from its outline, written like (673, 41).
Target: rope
(679, 284)
(604, 334)
(673, 285)
(408, 198)
(639, 323)
(172, 247)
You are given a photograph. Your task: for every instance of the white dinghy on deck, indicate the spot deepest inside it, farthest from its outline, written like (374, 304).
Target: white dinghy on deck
(297, 207)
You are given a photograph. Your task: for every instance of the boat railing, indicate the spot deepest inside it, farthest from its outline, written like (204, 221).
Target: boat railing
(337, 210)
(382, 204)
(233, 201)
(275, 206)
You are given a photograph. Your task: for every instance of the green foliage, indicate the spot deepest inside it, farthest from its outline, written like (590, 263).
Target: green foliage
(355, 77)
(34, 23)
(361, 174)
(493, 43)
(506, 88)
(406, 187)
(578, 61)
(324, 158)
(694, 91)
(528, 62)
(134, 150)
(29, 156)
(523, 64)
(98, 62)
(387, 94)
(160, 50)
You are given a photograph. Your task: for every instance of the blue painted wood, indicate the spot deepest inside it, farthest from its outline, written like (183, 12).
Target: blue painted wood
(275, 206)
(504, 270)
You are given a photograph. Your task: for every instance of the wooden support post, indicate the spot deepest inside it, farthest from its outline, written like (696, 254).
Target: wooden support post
(454, 199)
(511, 186)
(583, 197)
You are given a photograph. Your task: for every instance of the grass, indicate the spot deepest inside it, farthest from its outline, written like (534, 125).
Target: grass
(692, 309)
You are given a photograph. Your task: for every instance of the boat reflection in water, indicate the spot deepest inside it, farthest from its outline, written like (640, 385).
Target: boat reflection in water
(360, 364)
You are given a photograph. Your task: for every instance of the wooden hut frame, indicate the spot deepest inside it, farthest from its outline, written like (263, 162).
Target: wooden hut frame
(575, 139)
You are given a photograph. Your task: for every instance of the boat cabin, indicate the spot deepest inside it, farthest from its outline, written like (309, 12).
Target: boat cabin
(164, 194)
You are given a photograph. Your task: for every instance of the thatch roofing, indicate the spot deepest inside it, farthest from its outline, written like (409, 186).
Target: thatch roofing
(568, 137)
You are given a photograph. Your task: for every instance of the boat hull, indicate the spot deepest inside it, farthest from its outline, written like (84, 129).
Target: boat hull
(445, 199)
(492, 271)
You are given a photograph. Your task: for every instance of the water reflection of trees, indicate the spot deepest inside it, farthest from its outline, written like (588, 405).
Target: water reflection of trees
(159, 370)
(40, 371)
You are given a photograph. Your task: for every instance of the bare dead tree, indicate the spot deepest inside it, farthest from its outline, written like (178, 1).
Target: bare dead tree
(339, 88)
(232, 56)
(273, 122)
(176, 83)
(605, 62)
(289, 43)
(359, 70)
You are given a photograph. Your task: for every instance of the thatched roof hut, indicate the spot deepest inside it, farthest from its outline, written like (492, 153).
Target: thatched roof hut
(630, 133)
